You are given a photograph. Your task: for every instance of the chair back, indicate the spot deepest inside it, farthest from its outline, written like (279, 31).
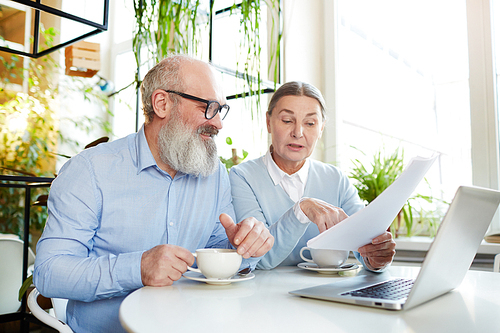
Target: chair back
(44, 317)
(59, 306)
(11, 270)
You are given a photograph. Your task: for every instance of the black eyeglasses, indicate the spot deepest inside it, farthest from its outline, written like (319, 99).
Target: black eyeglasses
(212, 106)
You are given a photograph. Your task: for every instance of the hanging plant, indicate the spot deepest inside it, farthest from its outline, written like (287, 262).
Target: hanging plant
(250, 45)
(165, 26)
(275, 44)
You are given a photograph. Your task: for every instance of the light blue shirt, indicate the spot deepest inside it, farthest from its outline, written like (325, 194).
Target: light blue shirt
(107, 206)
(255, 194)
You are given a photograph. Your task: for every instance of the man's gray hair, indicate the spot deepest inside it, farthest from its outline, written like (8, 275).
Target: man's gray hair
(297, 88)
(164, 75)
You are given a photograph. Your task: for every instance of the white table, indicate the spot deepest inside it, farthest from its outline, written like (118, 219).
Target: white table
(263, 304)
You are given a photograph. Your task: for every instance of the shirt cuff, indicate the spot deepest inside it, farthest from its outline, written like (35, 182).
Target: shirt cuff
(128, 270)
(299, 214)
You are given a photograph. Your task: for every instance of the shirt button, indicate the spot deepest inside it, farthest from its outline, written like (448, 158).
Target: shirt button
(171, 223)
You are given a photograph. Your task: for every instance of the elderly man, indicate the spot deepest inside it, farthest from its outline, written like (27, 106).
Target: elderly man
(128, 214)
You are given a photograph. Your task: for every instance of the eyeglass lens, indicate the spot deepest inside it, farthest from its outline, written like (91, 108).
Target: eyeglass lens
(215, 107)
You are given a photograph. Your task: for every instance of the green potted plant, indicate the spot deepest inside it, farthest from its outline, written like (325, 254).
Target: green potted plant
(421, 213)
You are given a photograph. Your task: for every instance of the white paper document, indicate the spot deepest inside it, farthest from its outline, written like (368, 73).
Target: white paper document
(360, 228)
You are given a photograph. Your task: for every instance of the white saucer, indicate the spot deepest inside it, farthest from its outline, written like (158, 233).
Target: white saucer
(326, 270)
(195, 276)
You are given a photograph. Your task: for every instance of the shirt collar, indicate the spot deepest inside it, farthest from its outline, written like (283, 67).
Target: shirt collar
(277, 174)
(145, 158)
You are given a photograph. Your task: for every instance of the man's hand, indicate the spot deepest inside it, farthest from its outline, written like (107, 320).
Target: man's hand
(380, 252)
(164, 264)
(321, 213)
(250, 237)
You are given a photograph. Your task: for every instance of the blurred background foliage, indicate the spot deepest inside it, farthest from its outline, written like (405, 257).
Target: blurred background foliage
(29, 128)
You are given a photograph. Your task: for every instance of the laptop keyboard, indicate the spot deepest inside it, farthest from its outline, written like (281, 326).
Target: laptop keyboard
(394, 289)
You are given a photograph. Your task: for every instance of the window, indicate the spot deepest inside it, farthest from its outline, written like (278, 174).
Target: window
(403, 82)
(245, 124)
(417, 75)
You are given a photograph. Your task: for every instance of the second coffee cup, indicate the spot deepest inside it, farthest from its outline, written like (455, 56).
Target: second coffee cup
(217, 263)
(325, 257)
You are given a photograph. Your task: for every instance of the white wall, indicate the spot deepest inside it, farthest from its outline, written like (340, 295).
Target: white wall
(308, 47)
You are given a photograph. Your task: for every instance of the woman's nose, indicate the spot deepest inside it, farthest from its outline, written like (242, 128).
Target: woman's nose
(297, 131)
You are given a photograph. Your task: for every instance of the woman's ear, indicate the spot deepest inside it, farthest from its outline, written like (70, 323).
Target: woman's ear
(268, 122)
(161, 103)
(322, 128)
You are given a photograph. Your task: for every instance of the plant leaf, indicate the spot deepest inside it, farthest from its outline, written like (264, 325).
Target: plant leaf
(25, 286)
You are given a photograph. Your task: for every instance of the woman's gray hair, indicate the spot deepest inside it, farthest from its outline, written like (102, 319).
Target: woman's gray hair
(298, 88)
(164, 75)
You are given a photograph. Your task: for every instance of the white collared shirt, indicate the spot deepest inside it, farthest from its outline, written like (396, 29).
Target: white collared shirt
(293, 185)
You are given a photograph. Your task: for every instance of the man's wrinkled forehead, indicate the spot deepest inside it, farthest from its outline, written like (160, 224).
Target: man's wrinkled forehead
(202, 80)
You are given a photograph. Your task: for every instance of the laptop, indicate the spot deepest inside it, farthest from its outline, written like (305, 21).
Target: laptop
(443, 269)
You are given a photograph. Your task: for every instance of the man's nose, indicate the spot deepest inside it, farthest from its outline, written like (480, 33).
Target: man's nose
(216, 121)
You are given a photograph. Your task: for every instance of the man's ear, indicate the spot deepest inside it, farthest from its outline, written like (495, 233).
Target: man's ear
(161, 103)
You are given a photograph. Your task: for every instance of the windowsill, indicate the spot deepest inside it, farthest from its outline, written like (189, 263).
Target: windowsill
(421, 243)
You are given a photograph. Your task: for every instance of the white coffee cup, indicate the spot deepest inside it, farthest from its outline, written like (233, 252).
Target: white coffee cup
(217, 263)
(325, 257)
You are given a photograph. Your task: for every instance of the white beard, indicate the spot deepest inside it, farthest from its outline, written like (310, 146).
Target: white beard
(184, 150)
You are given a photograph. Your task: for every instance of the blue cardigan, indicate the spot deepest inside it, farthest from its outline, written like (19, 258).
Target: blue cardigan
(254, 194)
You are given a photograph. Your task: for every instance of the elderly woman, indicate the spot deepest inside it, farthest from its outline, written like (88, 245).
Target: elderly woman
(295, 196)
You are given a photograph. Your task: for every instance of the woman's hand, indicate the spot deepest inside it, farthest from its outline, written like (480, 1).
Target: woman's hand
(380, 252)
(321, 213)
(250, 237)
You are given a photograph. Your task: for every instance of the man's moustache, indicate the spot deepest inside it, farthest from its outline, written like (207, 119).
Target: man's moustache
(208, 130)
